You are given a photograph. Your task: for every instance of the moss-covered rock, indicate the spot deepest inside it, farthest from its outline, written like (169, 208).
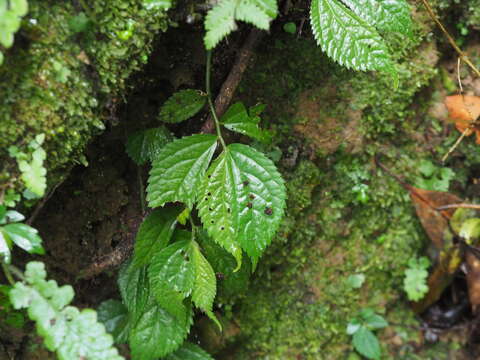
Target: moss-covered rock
(65, 73)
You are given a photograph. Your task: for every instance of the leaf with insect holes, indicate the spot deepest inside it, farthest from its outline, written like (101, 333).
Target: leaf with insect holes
(145, 145)
(189, 351)
(242, 201)
(173, 268)
(385, 15)
(154, 234)
(178, 170)
(347, 38)
(182, 105)
(220, 20)
(237, 119)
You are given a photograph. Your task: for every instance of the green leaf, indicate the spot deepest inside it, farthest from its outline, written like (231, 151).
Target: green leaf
(173, 268)
(237, 119)
(415, 283)
(114, 315)
(154, 234)
(73, 334)
(366, 343)
(375, 322)
(220, 20)
(157, 333)
(182, 105)
(5, 245)
(134, 288)
(14, 216)
(243, 201)
(179, 169)
(145, 145)
(348, 39)
(189, 351)
(34, 173)
(231, 282)
(385, 15)
(25, 237)
(205, 283)
(470, 230)
(3, 213)
(355, 281)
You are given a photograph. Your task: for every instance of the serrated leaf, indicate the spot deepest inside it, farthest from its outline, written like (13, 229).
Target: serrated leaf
(157, 333)
(220, 21)
(145, 145)
(114, 315)
(366, 343)
(348, 39)
(385, 15)
(189, 351)
(179, 169)
(182, 105)
(171, 301)
(230, 282)
(25, 237)
(205, 283)
(173, 268)
(243, 201)
(237, 119)
(134, 288)
(154, 234)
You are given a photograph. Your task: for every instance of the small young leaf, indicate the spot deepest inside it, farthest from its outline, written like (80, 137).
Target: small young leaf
(189, 351)
(179, 169)
(3, 213)
(154, 234)
(366, 343)
(182, 105)
(205, 282)
(134, 288)
(145, 145)
(375, 321)
(157, 333)
(348, 39)
(114, 315)
(237, 119)
(14, 216)
(25, 237)
(173, 268)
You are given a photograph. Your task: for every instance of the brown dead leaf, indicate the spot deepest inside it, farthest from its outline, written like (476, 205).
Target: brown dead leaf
(433, 221)
(463, 110)
(440, 277)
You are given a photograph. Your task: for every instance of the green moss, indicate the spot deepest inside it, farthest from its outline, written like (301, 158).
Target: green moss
(57, 81)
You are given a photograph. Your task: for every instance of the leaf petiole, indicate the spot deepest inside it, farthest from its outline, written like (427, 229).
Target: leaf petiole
(209, 98)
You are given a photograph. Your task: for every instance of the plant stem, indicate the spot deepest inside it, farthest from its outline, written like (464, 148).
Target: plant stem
(194, 228)
(209, 98)
(451, 40)
(142, 189)
(8, 274)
